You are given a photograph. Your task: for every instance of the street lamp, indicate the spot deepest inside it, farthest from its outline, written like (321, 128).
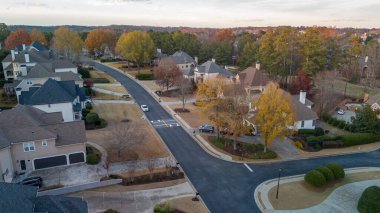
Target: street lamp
(278, 182)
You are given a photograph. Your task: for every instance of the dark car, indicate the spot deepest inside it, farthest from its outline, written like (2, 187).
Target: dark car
(206, 128)
(32, 181)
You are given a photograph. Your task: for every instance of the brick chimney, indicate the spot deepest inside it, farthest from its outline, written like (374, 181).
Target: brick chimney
(13, 54)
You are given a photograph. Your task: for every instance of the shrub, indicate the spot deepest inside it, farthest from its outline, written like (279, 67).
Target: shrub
(360, 138)
(92, 118)
(315, 178)
(100, 80)
(145, 76)
(341, 125)
(163, 208)
(306, 132)
(298, 144)
(84, 72)
(92, 159)
(369, 202)
(319, 131)
(111, 211)
(337, 170)
(327, 173)
(89, 106)
(199, 103)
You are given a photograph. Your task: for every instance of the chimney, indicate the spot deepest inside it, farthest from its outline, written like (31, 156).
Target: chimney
(196, 59)
(258, 65)
(303, 97)
(13, 54)
(27, 60)
(213, 60)
(159, 51)
(23, 47)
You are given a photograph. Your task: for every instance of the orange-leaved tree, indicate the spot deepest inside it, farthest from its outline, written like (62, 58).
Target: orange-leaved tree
(36, 35)
(100, 40)
(16, 38)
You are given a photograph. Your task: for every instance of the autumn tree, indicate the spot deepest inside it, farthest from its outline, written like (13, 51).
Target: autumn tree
(16, 38)
(302, 82)
(326, 97)
(100, 40)
(275, 115)
(365, 120)
(4, 32)
(167, 73)
(224, 35)
(125, 134)
(67, 43)
(185, 88)
(136, 47)
(36, 35)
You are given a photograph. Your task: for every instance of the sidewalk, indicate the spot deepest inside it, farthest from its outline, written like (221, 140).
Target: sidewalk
(135, 201)
(340, 200)
(113, 102)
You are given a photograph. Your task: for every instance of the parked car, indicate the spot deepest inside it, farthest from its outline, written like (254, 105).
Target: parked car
(206, 128)
(126, 96)
(341, 112)
(144, 108)
(32, 181)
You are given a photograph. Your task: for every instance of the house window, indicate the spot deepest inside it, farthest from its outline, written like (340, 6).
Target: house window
(44, 143)
(29, 82)
(302, 123)
(313, 122)
(28, 147)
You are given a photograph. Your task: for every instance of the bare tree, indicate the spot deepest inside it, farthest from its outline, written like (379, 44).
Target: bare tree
(151, 164)
(106, 165)
(125, 134)
(167, 73)
(326, 97)
(185, 88)
(168, 167)
(131, 173)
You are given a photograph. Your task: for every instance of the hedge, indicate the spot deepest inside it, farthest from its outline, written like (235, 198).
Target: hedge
(145, 76)
(315, 178)
(360, 138)
(327, 173)
(92, 118)
(165, 207)
(369, 202)
(337, 170)
(84, 72)
(100, 80)
(306, 132)
(92, 159)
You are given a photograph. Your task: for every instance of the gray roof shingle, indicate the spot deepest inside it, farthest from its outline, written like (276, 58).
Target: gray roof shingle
(303, 113)
(181, 57)
(212, 67)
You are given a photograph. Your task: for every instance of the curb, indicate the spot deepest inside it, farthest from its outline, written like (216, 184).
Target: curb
(261, 191)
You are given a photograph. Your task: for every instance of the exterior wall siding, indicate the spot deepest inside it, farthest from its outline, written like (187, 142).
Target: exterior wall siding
(65, 108)
(308, 124)
(6, 164)
(74, 70)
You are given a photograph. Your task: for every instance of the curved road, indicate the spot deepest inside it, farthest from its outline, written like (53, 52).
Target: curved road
(225, 186)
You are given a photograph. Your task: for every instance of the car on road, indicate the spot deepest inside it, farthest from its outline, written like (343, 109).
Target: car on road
(341, 112)
(32, 181)
(144, 108)
(206, 128)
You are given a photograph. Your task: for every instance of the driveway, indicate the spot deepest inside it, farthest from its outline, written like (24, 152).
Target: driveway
(225, 186)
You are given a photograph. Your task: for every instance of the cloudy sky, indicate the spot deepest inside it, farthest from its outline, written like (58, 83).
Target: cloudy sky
(193, 13)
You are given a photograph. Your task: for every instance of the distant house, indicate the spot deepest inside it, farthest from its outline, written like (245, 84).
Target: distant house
(253, 79)
(374, 102)
(32, 139)
(305, 116)
(16, 198)
(35, 45)
(184, 62)
(55, 96)
(210, 70)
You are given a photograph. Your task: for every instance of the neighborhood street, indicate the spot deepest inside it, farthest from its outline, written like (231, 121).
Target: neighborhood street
(225, 186)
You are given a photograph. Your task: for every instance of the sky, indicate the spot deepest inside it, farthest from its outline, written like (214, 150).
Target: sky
(193, 13)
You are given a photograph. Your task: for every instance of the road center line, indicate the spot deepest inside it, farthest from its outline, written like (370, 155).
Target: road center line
(249, 168)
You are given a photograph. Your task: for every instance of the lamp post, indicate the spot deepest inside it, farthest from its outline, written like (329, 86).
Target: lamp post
(278, 182)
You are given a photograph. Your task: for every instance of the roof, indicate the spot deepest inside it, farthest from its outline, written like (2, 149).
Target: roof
(61, 64)
(181, 57)
(374, 99)
(26, 123)
(303, 112)
(34, 56)
(16, 198)
(52, 92)
(40, 71)
(212, 67)
(188, 72)
(38, 46)
(252, 77)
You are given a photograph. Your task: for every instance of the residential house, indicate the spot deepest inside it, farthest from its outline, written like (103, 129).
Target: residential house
(305, 116)
(185, 63)
(31, 139)
(210, 70)
(374, 102)
(253, 80)
(16, 198)
(55, 96)
(35, 45)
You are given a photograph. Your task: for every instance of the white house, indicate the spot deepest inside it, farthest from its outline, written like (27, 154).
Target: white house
(55, 96)
(305, 116)
(210, 70)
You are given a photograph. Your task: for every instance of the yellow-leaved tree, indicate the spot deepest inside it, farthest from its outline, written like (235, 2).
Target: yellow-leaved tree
(275, 116)
(67, 43)
(136, 47)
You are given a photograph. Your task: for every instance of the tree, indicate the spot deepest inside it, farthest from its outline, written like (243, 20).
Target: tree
(249, 55)
(4, 32)
(302, 82)
(326, 97)
(137, 47)
(206, 52)
(125, 134)
(100, 40)
(224, 35)
(365, 120)
(17, 38)
(167, 73)
(36, 35)
(48, 37)
(223, 53)
(314, 51)
(185, 88)
(186, 42)
(67, 43)
(275, 116)
(163, 40)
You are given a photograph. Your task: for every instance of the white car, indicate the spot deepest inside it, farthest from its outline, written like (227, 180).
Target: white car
(341, 112)
(144, 108)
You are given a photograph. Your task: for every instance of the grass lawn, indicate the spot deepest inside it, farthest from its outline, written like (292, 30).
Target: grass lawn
(119, 89)
(185, 204)
(104, 96)
(150, 147)
(195, 117)
(133, 71)
(100, 74)
(299, 195)
(353, 90)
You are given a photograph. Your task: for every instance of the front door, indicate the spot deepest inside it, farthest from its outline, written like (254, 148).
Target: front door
(23, 164)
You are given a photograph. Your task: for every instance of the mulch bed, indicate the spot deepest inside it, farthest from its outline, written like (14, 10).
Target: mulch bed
(180, 110)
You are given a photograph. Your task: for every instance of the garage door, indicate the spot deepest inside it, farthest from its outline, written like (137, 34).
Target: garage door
(76, 158)
(50, 162)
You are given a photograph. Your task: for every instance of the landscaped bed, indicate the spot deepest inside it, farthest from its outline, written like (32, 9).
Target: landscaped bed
(243, 150)
(299, 194)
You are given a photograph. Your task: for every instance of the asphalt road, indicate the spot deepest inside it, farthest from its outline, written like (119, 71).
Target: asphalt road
(225, 186)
